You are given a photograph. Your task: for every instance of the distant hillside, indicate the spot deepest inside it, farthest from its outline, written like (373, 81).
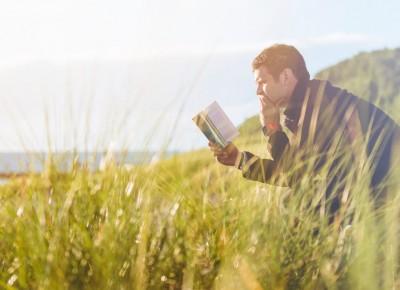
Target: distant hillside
(374, 76)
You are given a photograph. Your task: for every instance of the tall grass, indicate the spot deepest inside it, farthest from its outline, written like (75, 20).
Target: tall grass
(189, 223)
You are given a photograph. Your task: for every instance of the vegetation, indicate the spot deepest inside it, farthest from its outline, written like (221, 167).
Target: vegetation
(189, 223)
(374, 76)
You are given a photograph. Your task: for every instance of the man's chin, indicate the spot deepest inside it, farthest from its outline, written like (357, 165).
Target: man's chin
(281, 104)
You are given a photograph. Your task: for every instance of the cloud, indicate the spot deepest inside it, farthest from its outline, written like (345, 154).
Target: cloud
(337, 38)
(341, 38)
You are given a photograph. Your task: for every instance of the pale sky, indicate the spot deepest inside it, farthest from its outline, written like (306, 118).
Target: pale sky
(62, 32)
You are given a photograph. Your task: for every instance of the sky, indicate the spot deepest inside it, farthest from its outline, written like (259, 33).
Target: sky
(65, 32)
(62, 30)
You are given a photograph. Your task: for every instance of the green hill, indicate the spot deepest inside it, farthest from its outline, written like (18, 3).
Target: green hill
(374, 76)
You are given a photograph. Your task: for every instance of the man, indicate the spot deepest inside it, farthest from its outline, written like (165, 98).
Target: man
(322, 124)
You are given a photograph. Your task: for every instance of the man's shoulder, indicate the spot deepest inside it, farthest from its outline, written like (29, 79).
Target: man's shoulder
(344, 99)
(329, 90)
(330, 95)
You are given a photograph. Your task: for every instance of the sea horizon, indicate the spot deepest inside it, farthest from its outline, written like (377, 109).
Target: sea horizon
(34, 161)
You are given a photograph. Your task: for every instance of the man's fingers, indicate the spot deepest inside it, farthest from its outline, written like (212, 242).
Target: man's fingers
(220, 154)
(212, 145)
(230, 148)
(266, 103)
(261, 102)
(216, 148)
(221, 158)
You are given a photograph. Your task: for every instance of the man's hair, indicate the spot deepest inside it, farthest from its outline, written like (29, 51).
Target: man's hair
(280, 56)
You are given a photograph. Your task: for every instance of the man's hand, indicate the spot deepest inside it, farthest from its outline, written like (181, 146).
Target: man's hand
(269, 115)
(269, 112)
(226, 156)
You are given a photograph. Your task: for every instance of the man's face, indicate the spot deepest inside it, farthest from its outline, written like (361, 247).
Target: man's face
(269, 89)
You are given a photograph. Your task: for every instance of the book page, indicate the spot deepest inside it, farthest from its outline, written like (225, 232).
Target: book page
(208, 129)
(221, 121)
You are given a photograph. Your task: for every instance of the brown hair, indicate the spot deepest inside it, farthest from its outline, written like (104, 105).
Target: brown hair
(280, 56)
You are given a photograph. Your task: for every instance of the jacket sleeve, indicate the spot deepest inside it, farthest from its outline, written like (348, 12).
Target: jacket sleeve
(266, 170)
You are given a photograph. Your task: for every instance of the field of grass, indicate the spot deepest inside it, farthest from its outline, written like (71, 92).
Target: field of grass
(190, 223)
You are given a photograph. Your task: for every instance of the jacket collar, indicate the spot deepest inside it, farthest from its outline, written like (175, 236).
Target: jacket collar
(293, 109)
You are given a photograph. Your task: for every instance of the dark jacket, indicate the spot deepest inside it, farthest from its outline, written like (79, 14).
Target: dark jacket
(322, 123)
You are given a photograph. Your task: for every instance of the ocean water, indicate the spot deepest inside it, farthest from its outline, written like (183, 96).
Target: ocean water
(22, 162)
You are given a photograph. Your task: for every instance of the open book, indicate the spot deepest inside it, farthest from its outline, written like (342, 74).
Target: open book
(216, 125)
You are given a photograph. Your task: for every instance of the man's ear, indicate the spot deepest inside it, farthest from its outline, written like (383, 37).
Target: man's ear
(286, 76)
